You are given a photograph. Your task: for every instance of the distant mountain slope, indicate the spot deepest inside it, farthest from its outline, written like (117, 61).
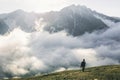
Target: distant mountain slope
(75, 20)
(114, 19)
(3, 27)
(95, 73)
(20, 18)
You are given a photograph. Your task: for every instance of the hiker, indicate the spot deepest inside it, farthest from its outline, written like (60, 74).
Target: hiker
(83, 63)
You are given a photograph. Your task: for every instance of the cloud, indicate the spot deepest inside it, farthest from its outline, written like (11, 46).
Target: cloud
(35, 53)
(15, 55)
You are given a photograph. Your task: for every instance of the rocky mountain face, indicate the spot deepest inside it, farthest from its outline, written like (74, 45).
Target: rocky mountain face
(21, 19)
(75, 20)
(3, 27)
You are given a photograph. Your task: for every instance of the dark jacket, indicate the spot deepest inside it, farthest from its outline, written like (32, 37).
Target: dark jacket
(83, 63)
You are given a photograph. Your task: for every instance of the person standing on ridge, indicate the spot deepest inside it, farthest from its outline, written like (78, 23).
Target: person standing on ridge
(83, 64)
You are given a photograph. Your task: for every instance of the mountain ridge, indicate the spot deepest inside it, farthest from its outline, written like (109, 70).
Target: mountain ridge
(75, 20)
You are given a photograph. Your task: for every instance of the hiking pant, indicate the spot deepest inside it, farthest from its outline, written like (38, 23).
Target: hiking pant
(83, 69)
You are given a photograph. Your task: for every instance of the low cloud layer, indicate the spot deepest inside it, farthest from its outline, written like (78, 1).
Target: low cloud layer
(35, 53)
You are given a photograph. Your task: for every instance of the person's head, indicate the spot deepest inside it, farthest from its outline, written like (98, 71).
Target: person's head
(84, 60)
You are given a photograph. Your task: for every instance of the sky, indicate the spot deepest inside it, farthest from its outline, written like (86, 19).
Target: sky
(108, 7)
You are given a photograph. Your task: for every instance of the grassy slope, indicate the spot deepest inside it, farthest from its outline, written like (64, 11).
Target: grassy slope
(94, 73)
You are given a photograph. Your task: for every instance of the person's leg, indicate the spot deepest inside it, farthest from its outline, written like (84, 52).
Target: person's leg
(83, 69)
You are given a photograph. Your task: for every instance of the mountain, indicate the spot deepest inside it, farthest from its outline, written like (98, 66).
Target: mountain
(94, 73)
(75, 20)
(20, 18)
(3, 27)
(108, 20)
(114, 19)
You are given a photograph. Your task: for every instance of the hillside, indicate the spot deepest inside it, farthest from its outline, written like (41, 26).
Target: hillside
(94, 73)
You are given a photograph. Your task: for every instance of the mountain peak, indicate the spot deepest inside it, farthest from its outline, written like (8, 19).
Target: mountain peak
(19, 11)
(76, 7)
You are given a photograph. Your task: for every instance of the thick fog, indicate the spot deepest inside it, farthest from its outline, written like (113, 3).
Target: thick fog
(40, 52)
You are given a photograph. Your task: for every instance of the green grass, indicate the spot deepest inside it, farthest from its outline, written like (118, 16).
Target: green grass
(111, 72)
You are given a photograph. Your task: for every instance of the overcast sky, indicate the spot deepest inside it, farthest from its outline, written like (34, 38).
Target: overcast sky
(109, 7)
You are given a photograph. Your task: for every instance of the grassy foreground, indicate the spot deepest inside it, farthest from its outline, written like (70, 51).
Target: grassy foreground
(95, 73)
